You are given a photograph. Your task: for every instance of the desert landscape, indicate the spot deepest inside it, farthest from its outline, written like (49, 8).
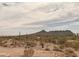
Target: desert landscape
(41, 44)
(37, 29)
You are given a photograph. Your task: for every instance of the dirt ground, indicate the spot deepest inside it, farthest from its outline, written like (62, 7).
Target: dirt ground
(38, 52)
(16, 52)
(10, 52)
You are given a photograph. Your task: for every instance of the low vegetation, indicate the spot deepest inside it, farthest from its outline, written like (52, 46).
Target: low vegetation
(28, 52)
(69, 52)
(63, 39)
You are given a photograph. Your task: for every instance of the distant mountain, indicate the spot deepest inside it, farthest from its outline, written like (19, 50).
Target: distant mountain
(54, 33)
(42, 32)
(64, 32)
(44, 35)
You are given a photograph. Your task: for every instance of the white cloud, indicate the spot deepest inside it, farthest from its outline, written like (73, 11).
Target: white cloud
(36, 15)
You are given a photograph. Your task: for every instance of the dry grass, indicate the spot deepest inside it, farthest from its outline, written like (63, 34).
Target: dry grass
(47, 49)
(28, 52)
(57, 48)
(69, 52)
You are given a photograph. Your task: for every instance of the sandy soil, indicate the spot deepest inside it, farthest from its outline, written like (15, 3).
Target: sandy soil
(11, 51)
(15, 52)
(18, 52)
(40, 53)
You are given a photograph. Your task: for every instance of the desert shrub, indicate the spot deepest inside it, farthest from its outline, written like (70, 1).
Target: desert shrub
(31, 44)
(42, 44)
(47, 49)
(61, 46)
(4, 45)
(69, 53)
(57, 48)
(1, 44)
(28, 52)
(73, 44)
(59, 40)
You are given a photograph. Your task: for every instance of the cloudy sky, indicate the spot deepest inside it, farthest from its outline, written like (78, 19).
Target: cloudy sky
(30, 17)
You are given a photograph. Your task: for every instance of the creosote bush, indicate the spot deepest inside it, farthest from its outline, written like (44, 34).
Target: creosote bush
(73, 44)
(69, 53)
(57, 48)
(47, 49)
(31, 44)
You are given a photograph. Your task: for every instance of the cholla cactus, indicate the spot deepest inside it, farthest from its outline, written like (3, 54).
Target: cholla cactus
(28, 52)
